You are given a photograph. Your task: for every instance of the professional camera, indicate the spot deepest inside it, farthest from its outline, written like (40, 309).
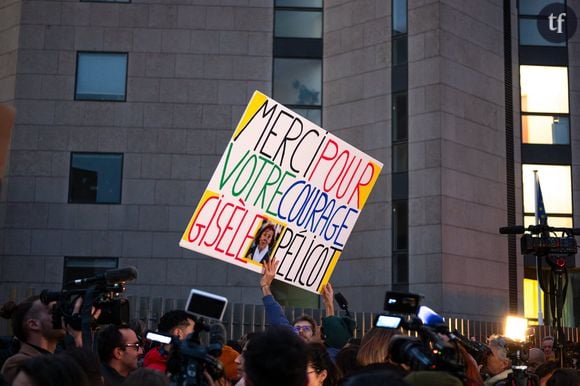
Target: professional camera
(189, 359)
(430, 350)
(477, 350)
(102, 291)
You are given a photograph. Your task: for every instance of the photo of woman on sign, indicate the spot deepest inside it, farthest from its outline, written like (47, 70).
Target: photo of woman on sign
(263, 244)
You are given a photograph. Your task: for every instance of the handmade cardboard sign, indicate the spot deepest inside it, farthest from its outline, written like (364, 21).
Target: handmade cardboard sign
(285, 189)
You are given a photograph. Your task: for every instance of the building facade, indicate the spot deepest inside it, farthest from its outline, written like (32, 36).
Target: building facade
(125, 107)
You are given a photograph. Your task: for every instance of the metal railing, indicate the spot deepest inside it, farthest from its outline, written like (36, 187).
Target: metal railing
(241, 319)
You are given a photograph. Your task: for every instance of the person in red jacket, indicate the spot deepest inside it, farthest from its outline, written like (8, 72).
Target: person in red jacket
(177, 323)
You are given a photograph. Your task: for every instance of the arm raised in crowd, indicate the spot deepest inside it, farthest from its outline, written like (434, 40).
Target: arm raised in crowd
(274, 314)
(328, 299)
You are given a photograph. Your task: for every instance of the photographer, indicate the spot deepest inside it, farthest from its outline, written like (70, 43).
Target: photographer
(176, 323)
(32, 325)
(498, 365)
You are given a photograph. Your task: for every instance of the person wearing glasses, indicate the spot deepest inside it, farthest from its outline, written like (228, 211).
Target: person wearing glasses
(119, 350)
(335, 330)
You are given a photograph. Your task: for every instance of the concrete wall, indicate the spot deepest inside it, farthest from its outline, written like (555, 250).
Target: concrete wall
(457, 157)
(357, 104)
(191, 70)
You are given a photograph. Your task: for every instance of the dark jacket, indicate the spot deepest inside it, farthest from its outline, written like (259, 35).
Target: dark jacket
(111, 376)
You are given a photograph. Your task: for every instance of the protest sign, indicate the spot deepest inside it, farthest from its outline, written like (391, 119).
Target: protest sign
(284, 188)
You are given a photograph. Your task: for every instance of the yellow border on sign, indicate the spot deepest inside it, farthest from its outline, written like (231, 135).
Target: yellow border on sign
(206, 196)
(328, 273)
(365, 190)
(255, 104)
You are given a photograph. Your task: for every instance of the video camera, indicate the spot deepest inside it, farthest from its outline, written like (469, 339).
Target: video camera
(429, 351)
(189, 359)
(102, 291)
(539, 242)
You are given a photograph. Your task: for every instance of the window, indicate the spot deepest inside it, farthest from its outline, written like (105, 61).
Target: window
(299, 3)
(546, 129)
(544, 89)
(83, 267)
(101, 76)
(298, 81)
(105, 1)
(530, 34)
(533, 7)
(313, 115)
(399, 17)
(298, 24)
(400, 225)
(400, 157)
(556, 185)
(95, 178)
(400, 115)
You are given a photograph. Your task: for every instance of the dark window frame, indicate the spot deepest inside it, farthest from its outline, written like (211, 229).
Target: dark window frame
(70, 181)
(107, 1)
(88, 272)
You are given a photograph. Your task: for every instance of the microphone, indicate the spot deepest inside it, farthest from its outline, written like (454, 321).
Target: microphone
(217, 334)
(110, 277)
(518, 229)
(430, 317)
(342, 302)
(217, 339)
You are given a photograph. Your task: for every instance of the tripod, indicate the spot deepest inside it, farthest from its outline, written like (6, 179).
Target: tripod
(519, 377)
(556, 292)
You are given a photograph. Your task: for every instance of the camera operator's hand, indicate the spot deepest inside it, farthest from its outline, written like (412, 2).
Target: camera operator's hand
(75, 331)
(328, 299)
(268, 274)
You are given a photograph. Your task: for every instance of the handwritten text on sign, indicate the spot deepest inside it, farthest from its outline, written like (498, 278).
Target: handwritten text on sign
(284, 188)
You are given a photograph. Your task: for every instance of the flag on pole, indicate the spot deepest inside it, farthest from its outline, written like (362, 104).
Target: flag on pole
(541, 217)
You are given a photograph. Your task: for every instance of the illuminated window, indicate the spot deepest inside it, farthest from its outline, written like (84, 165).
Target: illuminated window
(546, 129)
(544, 89)
(531, 299)
(556, 185)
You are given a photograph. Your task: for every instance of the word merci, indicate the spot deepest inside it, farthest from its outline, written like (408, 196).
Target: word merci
(280, 169)
(285, 142)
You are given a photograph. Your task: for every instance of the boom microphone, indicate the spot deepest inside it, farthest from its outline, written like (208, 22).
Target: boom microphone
(110, 277)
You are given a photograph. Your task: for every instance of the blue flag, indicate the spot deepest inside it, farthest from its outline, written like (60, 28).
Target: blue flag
(541, 217)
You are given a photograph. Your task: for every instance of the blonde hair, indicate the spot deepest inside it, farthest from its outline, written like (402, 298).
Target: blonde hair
(374, 347)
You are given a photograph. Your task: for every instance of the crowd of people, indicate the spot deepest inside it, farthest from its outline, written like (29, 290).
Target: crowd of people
(304, 352)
